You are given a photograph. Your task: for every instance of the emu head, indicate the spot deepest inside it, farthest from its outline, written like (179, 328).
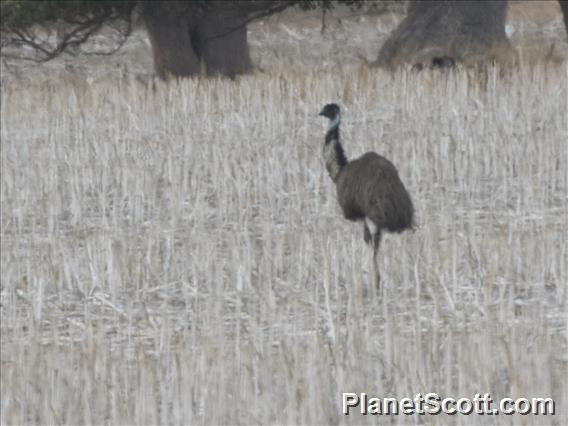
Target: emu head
(331, 111)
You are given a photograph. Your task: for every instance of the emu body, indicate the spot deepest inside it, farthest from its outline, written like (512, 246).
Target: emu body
(369, 188)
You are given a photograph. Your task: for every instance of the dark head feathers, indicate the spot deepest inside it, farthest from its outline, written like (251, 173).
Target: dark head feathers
(330, 111)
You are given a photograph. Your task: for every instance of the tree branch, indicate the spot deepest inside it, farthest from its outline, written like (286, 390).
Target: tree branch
(124, 35)
(270, 11)
(77, 36)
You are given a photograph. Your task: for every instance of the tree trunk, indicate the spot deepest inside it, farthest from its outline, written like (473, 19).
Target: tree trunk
(168, 26)
(443, 33)
(564, 7)
(220, 39)
(185, 35)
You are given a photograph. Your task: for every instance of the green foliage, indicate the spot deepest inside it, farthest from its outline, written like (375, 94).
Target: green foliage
(17, 14)
(87, 17)
(20, 14)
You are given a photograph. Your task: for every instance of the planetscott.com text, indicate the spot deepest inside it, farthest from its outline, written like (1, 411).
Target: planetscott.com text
(433, 404)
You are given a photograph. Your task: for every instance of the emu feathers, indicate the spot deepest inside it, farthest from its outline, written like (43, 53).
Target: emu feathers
(370, 187)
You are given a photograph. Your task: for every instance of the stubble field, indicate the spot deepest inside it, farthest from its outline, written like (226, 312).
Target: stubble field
(176, 255)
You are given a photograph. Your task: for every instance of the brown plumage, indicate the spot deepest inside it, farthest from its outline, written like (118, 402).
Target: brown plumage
(369, 188)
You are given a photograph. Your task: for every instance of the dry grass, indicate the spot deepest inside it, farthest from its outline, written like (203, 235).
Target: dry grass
(177, 255)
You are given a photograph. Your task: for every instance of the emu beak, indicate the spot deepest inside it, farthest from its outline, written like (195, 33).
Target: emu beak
(321, 112)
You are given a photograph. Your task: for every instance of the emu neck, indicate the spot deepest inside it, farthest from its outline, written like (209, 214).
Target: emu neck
(333, 152)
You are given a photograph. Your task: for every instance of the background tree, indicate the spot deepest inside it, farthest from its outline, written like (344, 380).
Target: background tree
(24, 22)
(186, 37)
(442, 33)
(564, 7)
(191, 37)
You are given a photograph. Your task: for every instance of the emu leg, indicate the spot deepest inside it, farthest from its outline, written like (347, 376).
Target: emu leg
(366, 233)
(376, 245)
(372, 234)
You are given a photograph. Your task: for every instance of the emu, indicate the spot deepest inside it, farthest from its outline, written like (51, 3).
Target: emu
(368, 188)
